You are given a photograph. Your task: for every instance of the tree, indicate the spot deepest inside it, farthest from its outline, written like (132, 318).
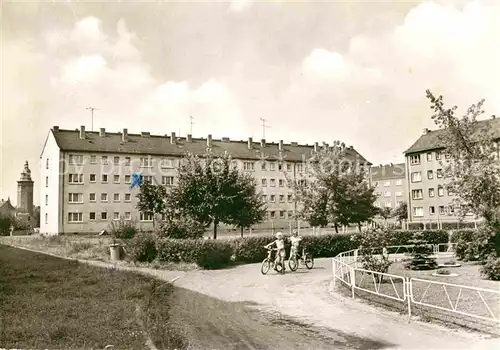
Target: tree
(401, 212)
(421, 256)
(211, 191)
(334, 190)
(385, 213)
(152, 199)
(471, 167)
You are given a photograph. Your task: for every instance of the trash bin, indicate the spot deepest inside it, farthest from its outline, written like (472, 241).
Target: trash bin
(114, 250)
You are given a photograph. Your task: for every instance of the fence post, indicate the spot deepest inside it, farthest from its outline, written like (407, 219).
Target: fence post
(334, 266)
(353, 281)
(408, 292)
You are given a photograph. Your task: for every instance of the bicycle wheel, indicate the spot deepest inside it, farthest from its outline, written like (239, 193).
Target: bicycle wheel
(266, 265)
(309, 261)
(293, 263)
(279, 267)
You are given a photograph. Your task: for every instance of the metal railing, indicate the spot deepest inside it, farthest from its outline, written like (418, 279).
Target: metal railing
(345, 269)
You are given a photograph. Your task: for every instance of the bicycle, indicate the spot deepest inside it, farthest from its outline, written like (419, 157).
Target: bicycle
(267, 262)
(306, 258)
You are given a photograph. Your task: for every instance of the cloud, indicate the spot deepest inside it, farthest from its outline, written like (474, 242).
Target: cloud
(324, 63)
(239, 5)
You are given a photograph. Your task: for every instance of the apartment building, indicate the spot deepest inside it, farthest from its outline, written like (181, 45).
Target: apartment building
(85, 176)
(429, 198)
(390, 185)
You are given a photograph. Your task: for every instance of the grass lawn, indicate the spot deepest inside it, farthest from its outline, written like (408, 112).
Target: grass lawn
(46, 302)
(435, 294)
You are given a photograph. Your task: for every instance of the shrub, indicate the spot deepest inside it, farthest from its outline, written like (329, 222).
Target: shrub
(182, 228)
(123, 229)
(491, 268)
(466, 235)
(251, 249)
(5, 223)
(421, 258)
(402, 237)
(142, 247)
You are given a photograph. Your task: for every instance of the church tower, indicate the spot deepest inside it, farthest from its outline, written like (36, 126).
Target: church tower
(25, 190)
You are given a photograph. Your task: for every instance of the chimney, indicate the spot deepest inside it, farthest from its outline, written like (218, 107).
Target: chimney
(172, 138)
(263, 143)
(350, 147)
(145, 134)
(55, 128)
(426, 131)
(316, 147)
(280, 145)
(124, 135)
(102, 132)
(189, 138)
(82, 132)
(324, 145)
(209, 140)
(250, 143)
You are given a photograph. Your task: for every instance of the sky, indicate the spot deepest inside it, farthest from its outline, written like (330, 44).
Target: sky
(316, 71)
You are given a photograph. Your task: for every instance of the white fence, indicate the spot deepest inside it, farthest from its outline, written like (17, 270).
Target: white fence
(415, 291)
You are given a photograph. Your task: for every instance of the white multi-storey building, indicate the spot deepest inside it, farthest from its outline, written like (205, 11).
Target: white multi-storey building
(85, 176)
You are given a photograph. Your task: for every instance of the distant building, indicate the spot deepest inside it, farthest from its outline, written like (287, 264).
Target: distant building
(6, 208)
(86, 176)
(390, 185)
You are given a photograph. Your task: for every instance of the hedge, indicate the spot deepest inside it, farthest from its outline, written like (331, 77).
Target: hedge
(466, 235)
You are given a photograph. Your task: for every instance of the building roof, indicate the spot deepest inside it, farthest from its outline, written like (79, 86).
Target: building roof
(7, 204)
(69, 140)
(388, 171)
(432, 139)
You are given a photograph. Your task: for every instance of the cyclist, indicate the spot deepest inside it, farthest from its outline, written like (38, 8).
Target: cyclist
(280, 249)
(295, 240)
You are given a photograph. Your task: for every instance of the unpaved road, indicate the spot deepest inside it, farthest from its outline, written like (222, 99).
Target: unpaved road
(335, 322)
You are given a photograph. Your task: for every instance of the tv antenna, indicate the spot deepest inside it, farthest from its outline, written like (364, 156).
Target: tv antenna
(191, 125)
(264, 126)
(91, 109)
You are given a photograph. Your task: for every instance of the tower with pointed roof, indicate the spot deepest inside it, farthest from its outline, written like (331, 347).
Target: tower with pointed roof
(25, 190)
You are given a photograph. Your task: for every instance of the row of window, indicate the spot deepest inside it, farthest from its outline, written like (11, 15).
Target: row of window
(419, 193)
(282, 214)
(282, 198)
(78, 179)
(417, 175)
(443, 210)
(388, 204)
(388, 194)
(387, 183)
(94, 216)
(416, 159)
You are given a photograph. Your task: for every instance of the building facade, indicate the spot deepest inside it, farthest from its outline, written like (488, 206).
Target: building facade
(86, 176)
(390, 184)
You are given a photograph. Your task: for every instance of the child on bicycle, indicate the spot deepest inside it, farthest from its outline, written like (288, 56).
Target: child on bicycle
(280, 249)
(295, 240)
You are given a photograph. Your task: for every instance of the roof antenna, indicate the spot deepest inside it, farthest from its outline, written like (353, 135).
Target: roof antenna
(91, 109)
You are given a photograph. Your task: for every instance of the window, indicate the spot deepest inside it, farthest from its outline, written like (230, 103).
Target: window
(300, 167)
(234, 165)
(290, 214)
(75, 178)
(47, 163)
(282, 214)
(75, 159)
(441, 210)
(448, 156)
(399, 203)
(127, 160)
(282, 198)
(417, 194)
(75, 217)
(288, 167)
(264, 182)
(387, 183)
(104, 197)
(116, 179)
(104, 178)
(93, 160)
(415, 160)
(439, 173)
(116, 160)
(429, 156)
(272, 214)
(388, 204)
(146, 217)
(281, 182)
(398, 182)
(147, 178)
(273, 182)
(116, 215)
(92, 216)
(46, 181)
(431, 192)
(418, 211)
(116, 197)
(440, 191)
(430, 174)
(104, 160)
(416, 176)
(92, 197)
(451, 210)
(450, 191)
(387, 194)
(146, 162)
(273, 198)
(399, 194)
(280, 167)
(167, 163)
(432, 210)
(264, 198)
(127, 197)
(290, 198)
(167, 180)
(302, 182)
(92, 178)
(248, 166)
(127, 179)
(104, 215)
(128, 216)
(438, 155)
(272, 166)
(46, 218)
(263, 166)
(46, 199)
